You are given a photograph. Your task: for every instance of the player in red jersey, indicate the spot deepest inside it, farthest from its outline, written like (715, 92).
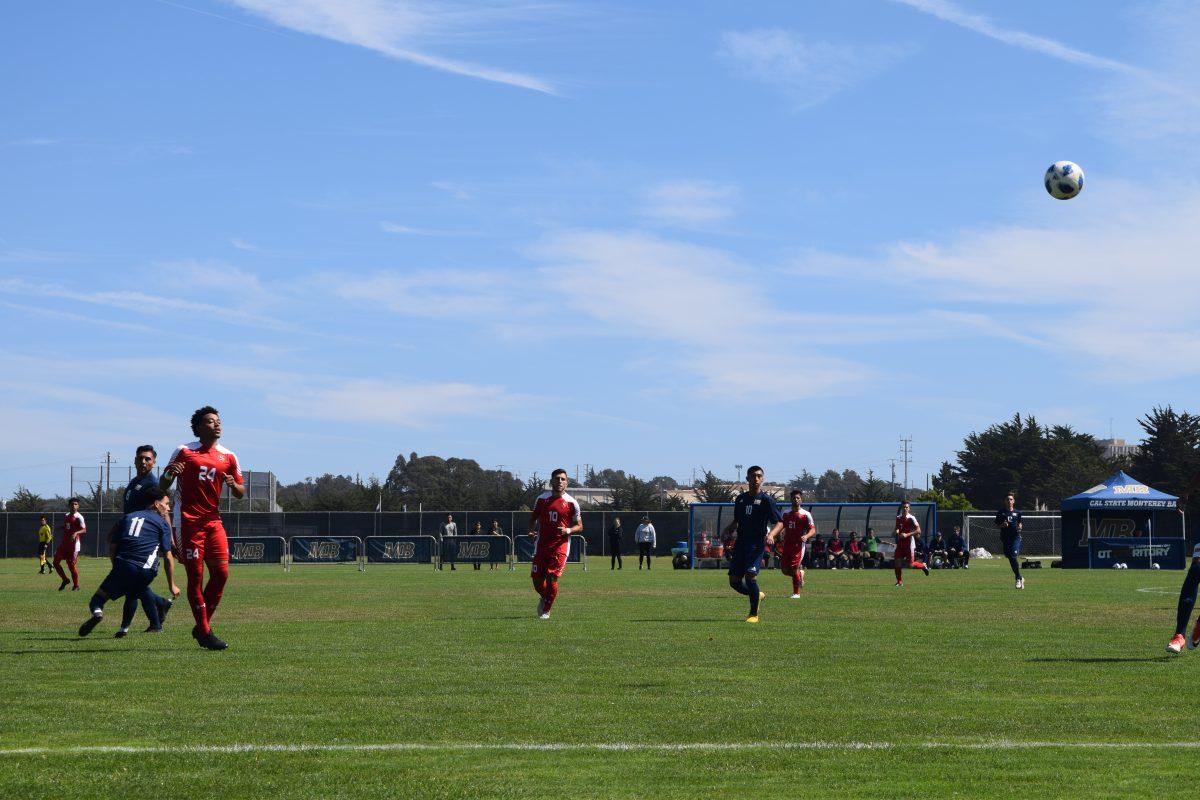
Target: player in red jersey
(556, 517)
(68, 549)
(798, 528)
(204, 468)
(907, 531)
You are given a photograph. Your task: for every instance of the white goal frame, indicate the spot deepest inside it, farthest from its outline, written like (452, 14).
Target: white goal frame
(988, 522)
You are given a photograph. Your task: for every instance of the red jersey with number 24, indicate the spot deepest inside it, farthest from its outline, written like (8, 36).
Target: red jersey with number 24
(203, 478)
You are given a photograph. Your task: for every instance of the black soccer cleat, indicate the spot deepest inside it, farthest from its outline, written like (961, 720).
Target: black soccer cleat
(121, 633)
(164, 608)
(64, 585)
(152, 629)
(925, 569)
(90, 624)
(209, 641)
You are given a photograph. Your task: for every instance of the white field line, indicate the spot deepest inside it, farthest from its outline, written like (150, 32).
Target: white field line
(1159, 590)
(426, 747)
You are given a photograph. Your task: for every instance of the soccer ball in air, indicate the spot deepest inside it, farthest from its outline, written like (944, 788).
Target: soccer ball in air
(1064, 180)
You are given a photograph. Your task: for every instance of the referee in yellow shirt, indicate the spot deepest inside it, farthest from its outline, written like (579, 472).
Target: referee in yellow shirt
(44, 538)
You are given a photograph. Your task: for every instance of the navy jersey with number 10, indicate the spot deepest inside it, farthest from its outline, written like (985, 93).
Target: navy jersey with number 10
(755, 514)
(142, 538)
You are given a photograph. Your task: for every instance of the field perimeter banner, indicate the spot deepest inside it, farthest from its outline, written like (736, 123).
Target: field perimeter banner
(401, 549)
(482, 549)
(257, 549)
(324, 549)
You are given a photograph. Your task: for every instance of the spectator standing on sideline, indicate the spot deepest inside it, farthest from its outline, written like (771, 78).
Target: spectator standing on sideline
(477, 531)
(45, 537)
(646, 540)
(614, 544)
(450, 529)
(854, 551)
(871, 548)
(496, 531)
(956, 549)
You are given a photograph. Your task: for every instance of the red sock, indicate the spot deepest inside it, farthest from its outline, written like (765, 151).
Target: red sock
(218, 574)
(550, 593)
(918, 565)
(795, 583)
(899, 574)
(74, 574)
(539, 585)
(195, 576)
(58, 568)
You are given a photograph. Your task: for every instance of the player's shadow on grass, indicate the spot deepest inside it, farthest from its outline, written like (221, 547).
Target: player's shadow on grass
(693, 619)
(82, 650)
(1146, 660)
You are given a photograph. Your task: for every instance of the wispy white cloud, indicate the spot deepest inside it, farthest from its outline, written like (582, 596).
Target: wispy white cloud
(400, 29)
(239, 243)
(455, 190)
(689, 204)
(807, 70)
(473, 294)
(407, 404)
(707, 314)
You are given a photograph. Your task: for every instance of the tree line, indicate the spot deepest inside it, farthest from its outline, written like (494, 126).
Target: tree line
(1041, 464)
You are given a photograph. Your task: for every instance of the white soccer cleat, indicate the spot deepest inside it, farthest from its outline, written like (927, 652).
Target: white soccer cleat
(795, 597)
(1020, 583)
(543, 615)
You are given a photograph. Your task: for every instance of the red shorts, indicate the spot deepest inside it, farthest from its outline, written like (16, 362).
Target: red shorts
(550, 560)
(202, 540)
(66, 551)
(904, 549)
(792, 557)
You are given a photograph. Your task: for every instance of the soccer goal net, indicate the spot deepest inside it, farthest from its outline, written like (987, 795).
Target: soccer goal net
(1041, 533)
(326, 550)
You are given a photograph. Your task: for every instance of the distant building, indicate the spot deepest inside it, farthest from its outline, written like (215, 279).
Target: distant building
(261, 489)
(1116, 448)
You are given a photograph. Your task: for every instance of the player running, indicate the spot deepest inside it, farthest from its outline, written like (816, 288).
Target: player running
(1008, 521)
(135, 496)
(554, 519)
(68, 549)
(204, 468)
(798, 528)
(45, 537)
(907, 531)
(753, 512)
(1187, 593)
(137, 543)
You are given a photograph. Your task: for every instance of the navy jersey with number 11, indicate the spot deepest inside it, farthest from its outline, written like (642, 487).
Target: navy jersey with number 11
(142, 538)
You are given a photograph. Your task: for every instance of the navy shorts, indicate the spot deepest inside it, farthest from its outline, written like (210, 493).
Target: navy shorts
(126, 579)
(746, 560)
(1012, 546)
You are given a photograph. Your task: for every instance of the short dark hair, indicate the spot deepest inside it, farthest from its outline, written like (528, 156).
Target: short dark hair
(73, 500)
(200, 413)
(152, 495)
(42, 517)
(755, 468)
(146, 448)
(797, 492)
(560, 469)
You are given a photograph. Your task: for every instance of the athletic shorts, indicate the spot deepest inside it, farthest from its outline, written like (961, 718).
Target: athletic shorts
(126, 579)
(791, 558)
(202, 541)
(66, 552)
(550, 560)
(746, 559)
(906, 549)
(1012, 546)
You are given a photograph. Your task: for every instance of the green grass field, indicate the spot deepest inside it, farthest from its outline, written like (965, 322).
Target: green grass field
(955, 686)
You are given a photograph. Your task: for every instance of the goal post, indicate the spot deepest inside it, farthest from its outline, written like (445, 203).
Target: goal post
(1041, 533)
(326, 550)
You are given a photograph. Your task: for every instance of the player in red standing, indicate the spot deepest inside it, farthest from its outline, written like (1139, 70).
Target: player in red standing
(556, 515)
(204, 468)
(68, 549)
(798, 528)
(907, 531)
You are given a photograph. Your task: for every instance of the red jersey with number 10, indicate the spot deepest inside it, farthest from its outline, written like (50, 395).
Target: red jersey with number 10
(554, 513)
(203, 478)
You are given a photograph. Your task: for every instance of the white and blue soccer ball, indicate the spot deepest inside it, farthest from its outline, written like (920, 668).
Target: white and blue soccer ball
(1064, 180)
(1155, 566)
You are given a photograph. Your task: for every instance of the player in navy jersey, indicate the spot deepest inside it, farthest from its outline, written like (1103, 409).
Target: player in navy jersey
(135, 500)
(1187, 592)
(140, 540)
(757, 520)
(1009, 523)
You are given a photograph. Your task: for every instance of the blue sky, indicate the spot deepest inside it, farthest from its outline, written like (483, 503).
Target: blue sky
(654, 236)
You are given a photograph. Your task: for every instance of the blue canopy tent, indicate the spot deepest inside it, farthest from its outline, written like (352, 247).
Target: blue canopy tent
(1118, 522)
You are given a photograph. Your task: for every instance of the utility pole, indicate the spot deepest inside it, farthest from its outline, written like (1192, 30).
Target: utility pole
(906, 449)
(892, 461)
(738, 478)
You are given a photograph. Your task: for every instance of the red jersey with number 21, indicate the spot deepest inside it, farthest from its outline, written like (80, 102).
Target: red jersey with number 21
(203, 478)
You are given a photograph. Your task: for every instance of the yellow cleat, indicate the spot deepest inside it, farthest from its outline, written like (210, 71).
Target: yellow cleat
(752, 619)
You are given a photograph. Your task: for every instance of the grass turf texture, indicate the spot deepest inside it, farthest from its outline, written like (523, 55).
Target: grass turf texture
(326, 655)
